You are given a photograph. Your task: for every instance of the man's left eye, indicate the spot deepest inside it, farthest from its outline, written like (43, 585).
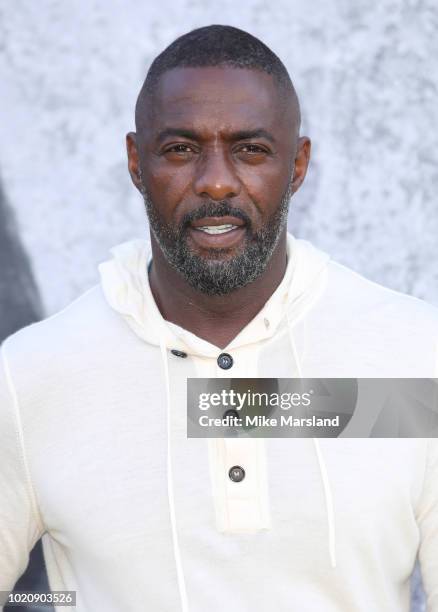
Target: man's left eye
(179, 148)
(251, 148)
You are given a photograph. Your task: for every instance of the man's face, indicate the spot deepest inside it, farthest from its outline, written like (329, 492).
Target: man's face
(214, 158)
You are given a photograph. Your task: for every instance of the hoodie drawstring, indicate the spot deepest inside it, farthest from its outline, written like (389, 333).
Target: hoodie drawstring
(176, 548)
(328, 502)
(321, 463)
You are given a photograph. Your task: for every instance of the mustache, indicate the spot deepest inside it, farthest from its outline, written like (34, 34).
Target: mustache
(214, 209)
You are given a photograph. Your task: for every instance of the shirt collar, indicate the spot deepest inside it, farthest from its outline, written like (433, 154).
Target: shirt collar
(262, 326)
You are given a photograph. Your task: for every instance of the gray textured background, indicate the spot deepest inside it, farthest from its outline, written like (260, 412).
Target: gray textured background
(366, 74)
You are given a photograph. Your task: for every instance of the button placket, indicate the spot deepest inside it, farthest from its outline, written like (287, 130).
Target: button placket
(241, 506)
(246, 500)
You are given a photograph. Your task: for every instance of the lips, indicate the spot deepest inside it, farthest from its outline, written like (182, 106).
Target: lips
(217, 232)
(217, 225)
(216, 229)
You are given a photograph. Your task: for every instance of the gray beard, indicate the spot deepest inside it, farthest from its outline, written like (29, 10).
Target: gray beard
(216, 276)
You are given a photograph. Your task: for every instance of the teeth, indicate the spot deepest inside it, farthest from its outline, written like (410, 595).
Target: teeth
(216, 229)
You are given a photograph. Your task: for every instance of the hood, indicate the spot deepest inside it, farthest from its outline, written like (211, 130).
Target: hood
(125, 284)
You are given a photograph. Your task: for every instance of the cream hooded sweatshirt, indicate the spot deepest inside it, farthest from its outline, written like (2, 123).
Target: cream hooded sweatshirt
(134, 516)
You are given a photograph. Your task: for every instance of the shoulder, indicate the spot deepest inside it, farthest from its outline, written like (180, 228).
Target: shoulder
(75, 323)
(367, 299)
(71, 341)
(374, 329)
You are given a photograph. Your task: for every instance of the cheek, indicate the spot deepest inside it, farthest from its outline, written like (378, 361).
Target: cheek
(167, 188)
(266, 189)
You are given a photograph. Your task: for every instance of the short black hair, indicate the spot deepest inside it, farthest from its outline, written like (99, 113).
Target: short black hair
(217, 45)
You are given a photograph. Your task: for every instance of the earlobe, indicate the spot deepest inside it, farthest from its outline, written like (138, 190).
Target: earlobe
(304, 147)
(302, 159)
(133, 159)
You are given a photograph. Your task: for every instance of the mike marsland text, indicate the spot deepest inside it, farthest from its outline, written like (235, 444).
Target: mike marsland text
(263, 421)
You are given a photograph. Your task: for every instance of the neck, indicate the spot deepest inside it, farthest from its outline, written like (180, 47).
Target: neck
(218, 318)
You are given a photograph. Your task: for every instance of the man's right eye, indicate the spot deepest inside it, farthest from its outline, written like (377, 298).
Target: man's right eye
(180, 148)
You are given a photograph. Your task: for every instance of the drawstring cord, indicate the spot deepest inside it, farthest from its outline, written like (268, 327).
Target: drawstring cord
(328, 502)
(321, 463)
(176, 549)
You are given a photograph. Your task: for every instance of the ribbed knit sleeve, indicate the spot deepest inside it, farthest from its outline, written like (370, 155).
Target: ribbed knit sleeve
(428, 522)
(20, 525)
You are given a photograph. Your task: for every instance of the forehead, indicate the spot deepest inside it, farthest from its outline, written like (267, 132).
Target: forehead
(209, 98)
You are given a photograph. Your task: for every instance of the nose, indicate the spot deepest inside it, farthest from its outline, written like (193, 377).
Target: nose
(216, 177)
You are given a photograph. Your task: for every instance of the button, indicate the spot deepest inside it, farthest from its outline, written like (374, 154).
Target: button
(266, 322)
(232, 413)
(236, 473)
(178, 353)
(225, 361)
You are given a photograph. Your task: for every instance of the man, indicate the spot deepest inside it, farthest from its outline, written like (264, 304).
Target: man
(94, 452)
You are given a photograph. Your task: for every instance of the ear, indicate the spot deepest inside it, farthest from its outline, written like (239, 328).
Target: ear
(133, 158)
(302, 159)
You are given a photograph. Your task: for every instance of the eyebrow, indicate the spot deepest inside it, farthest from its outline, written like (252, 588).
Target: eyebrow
(192, 135)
